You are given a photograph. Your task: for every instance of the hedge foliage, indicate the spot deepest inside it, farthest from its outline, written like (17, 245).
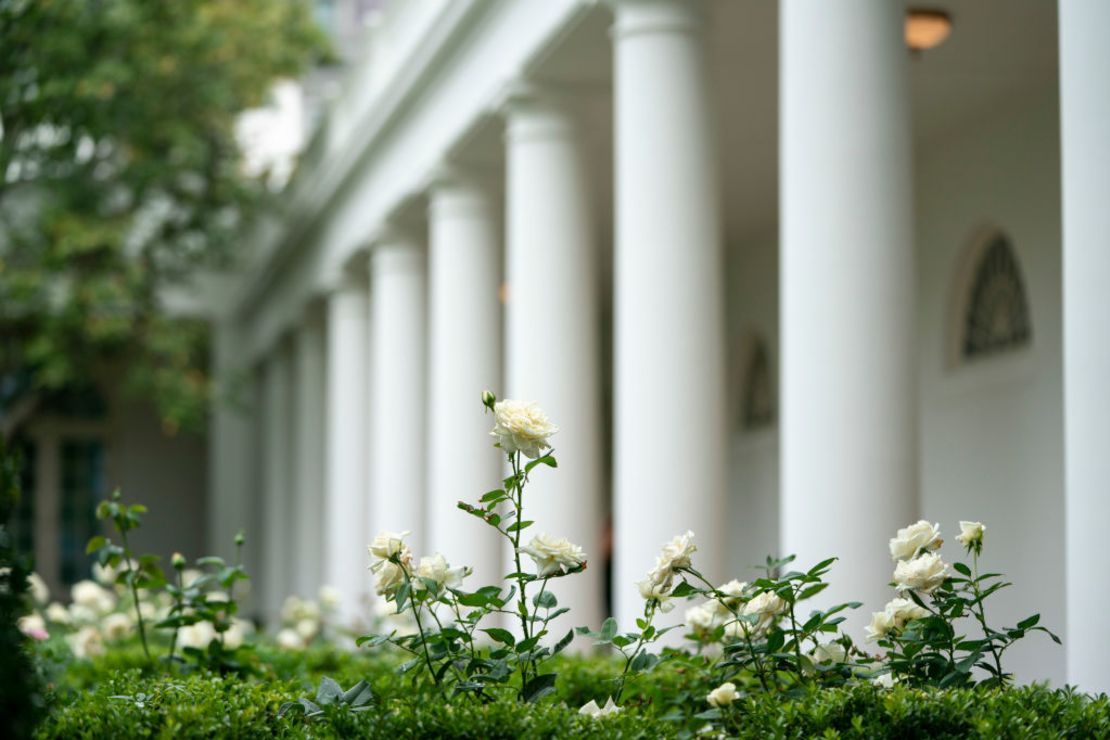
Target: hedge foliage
(107, 698)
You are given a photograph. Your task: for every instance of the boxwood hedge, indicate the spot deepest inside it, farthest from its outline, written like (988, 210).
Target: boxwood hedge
(114, 698)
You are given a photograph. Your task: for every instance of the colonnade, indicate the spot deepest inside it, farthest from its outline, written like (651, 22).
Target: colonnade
(381, 387)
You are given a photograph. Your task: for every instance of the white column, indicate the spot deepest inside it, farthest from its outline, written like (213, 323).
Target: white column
(309, 427)
(398, 389)
(553, 326)
(230, 456)
(849, 447)
(670, 411)
(277, 383)
(464, 357)
(1085, 139)
(347, 401)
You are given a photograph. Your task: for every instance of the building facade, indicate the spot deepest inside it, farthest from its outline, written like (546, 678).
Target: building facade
(779, 280)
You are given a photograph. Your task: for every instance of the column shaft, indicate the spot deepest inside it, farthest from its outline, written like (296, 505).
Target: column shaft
(1085, 138)
(398, 444)
(670, 410)
(553, 327)
(277, 382)
(347, 401)
(231, 473)
(464, 328)
(849, 472)
(306, 532)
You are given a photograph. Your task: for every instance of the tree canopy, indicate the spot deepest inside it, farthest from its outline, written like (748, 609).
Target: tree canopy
(120, 173)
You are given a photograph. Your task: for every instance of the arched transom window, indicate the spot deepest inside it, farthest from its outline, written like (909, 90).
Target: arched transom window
(996, 314)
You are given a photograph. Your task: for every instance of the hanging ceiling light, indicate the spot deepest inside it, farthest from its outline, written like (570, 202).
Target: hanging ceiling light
(926, 29)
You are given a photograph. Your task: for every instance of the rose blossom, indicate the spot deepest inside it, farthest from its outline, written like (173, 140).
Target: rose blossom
(971, 533)
(33, 626)
(701, 618)
(522, 427)
(591, 709)
(86, 643)
(924, 573)
(903, 611)
(117, 626)
(914, 538)
(553, 556)
(437, 569)
(388, 544)
(766, 607)
(723, 695)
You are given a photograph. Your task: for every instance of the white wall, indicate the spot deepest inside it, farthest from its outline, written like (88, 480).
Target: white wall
(168, 474)
(991, 433)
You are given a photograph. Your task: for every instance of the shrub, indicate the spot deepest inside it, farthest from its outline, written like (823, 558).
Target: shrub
(129, 704)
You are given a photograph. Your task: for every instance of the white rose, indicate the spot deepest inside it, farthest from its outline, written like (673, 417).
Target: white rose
(699, 619)
(914, 538)
(197, 635)
(766, 607)
(236, 633)
(924, 573)
(522, 427)
(39, 591)
(33, 626)
(829, 652)
(288, 639)
(388, 544)
(881, 624)
(885, 681)
(723, 695)
(553, 556)
(971, 533)
(93, 597)
(86, 643)
(330, 597)
(307, 628)
(903, 611)
(675, 554)
(437, 569)
(189, 576)
(81, 614)
(390, 577)
(591, 709)
(117, 626)
(58, 614)
(733, 592)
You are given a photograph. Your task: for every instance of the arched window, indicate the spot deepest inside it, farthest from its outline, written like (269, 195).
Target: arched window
(996, 310)
(758, 399)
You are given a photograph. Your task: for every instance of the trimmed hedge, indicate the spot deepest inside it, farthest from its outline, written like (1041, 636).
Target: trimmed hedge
(124, 702)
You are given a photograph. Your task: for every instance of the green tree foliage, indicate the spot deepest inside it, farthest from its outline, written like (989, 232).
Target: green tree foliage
(120, 174)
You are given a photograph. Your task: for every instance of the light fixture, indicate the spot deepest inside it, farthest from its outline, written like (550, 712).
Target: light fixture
(926, 29)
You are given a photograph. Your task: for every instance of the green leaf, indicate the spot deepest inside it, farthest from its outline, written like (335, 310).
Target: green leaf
(328, 692)
(545, 600)
(371, 640)
(210, 560)
(495, 495)
(515, 526)
(358, 695)
(962, 569)
(563, 642)
(547, 460)
(539, 687)
(824, 564)
(608, 629)
(811, 591)
(1028, 622)
(500, 635)
(684, 589)
(95, 544)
